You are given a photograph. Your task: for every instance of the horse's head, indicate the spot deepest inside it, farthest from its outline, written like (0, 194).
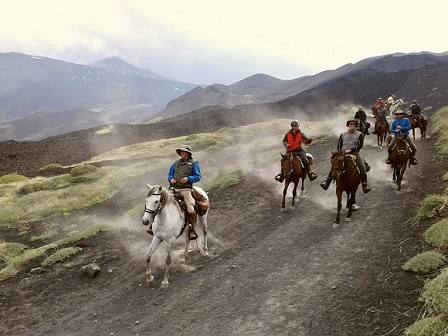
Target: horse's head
(154, 203)
(338, 164)
(286, 165)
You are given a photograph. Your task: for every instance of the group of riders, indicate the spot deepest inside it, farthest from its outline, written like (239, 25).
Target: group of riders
(185, 171)
(352, 141)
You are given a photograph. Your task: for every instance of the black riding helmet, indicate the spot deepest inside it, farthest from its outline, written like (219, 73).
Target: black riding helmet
(352, 121)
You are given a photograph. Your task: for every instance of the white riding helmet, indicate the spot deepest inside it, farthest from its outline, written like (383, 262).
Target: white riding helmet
(295, 123)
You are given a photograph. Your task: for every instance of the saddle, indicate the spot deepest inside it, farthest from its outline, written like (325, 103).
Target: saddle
(308, 155)
(202, 203)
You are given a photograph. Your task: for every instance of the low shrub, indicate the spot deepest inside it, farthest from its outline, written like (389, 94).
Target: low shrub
(425, 262)
(60, 255)
(429, 326)
(83, 170)
(435, 294)
(437, 235)
(11, 178)
(51, 167)
(433, 206)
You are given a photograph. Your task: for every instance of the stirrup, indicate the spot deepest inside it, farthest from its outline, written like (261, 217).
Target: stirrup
(312, 176)
(414, 161)
(325, 184)
(388, 161)
(191, 233)
(279, 178)
(365, 188)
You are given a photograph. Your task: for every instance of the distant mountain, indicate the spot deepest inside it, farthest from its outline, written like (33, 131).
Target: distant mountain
(361, 82)
(410, 76)
(419, 76)
(30, 84)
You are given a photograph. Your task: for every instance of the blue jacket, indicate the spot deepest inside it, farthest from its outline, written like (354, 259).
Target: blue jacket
(405, 124)
(193, 178)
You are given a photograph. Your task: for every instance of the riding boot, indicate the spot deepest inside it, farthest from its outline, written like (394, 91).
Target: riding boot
(367, 166)
(325, 184)
(150, 231)
(191, 222)
(279, 177)
(388, 158)
(413, 159)
(311, 175)
(365, 186)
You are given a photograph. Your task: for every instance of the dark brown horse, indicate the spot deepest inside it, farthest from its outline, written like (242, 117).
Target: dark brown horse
(399, 158)
(346, 174)
(423, 122)
(381, 130)
(293, 172)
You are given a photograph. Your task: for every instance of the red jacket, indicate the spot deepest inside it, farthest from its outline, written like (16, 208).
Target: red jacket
(295, 140)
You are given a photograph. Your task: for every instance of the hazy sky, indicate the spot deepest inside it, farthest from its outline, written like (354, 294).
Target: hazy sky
(206, 41)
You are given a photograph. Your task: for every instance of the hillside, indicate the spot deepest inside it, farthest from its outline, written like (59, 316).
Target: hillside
(269, 273)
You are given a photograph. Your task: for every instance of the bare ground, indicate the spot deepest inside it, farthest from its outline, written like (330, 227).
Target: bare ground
(269, 273)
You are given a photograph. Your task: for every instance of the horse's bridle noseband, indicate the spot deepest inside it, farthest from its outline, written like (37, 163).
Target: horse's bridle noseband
(158, 209)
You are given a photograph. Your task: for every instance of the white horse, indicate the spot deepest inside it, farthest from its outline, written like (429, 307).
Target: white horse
(167, 218)
(395, 106)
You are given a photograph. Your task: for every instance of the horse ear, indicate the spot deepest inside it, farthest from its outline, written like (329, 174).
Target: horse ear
(160, 188)
(149, 186)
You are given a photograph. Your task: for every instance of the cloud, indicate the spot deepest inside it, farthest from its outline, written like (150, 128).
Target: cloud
(205, 42)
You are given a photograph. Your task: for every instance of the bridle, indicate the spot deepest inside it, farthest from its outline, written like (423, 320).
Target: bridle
(159, 208)
(343, 169)
(291, 167)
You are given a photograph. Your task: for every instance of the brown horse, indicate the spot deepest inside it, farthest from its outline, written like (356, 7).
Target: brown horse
(294, 172)
(381, 131)
(399, 158)
(346, 174)
(423, 122)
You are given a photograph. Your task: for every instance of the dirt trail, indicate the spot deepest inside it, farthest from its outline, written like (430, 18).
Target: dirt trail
(270, 273)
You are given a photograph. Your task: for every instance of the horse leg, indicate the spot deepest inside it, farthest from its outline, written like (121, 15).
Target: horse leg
(339, 204)
(203, 220)
(399, 177)
(350, 201)
(152, 248)
(302, 189)
(165, 281)
(294, 194)
(285, 190)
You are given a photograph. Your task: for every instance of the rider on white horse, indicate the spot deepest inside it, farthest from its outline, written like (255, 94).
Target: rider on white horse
(181, 176)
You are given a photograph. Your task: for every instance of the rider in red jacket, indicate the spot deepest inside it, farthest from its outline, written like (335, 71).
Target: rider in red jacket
(293, 140)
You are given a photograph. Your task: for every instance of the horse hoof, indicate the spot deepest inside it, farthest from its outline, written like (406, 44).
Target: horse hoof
(348, 219)
(282, 209)
(150, 280)
(292, 207)
(355, 207)
(164, 284)
(335, 225)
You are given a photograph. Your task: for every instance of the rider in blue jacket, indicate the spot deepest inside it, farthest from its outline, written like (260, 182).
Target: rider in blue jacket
(400, 128)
